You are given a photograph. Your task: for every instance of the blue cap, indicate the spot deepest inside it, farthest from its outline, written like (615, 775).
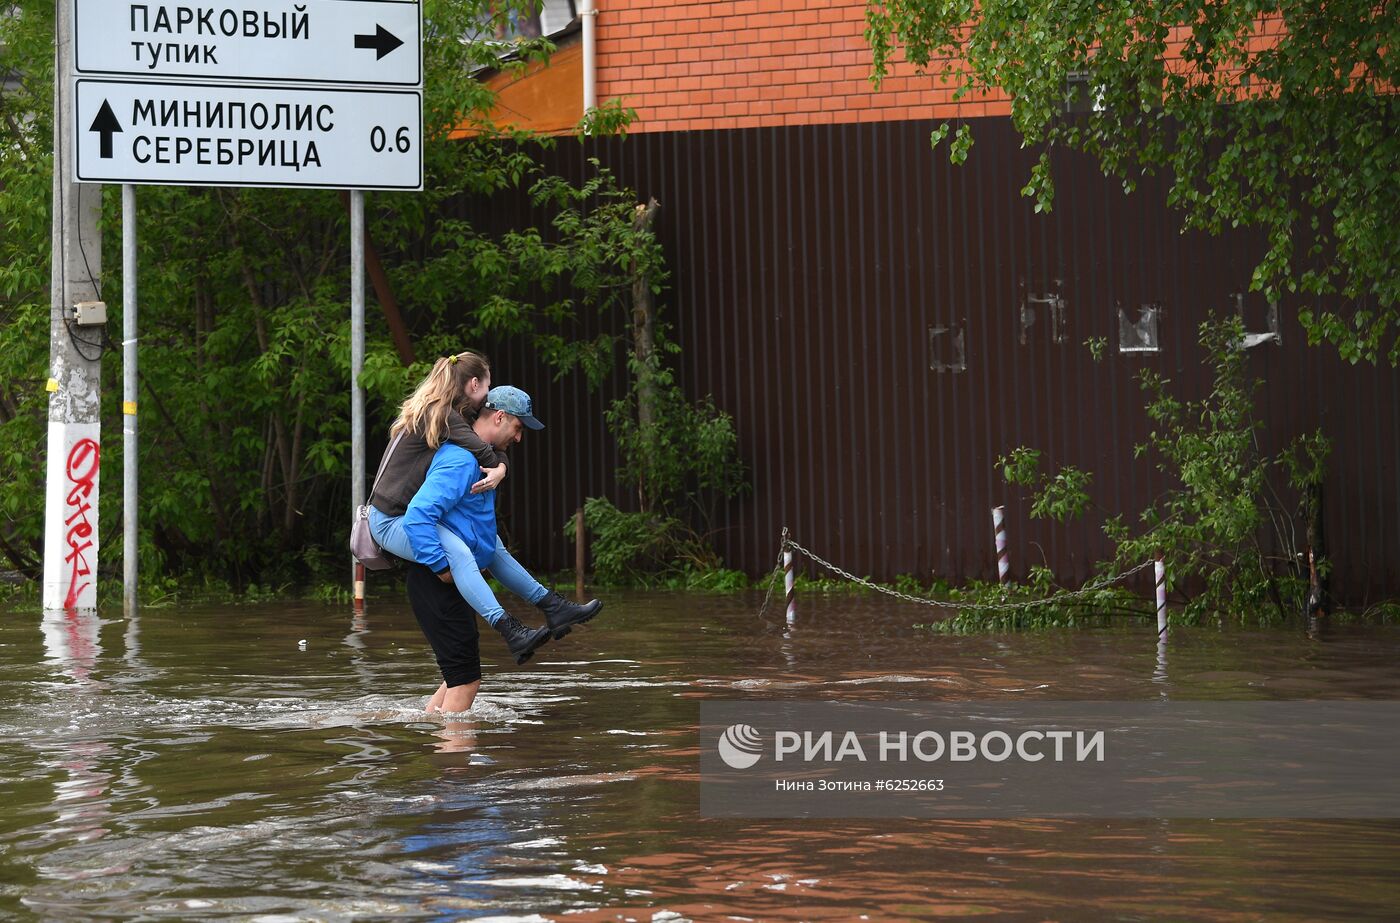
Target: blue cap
(514, 402)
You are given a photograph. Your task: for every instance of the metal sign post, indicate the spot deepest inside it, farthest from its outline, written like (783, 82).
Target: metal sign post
(130, 446)
(357, 364)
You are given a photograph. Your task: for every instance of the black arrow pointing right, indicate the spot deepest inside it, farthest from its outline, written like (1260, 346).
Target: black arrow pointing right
(104, 125)
(382, 41)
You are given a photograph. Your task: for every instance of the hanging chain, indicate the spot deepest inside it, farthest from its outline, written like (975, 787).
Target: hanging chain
(1063, 596)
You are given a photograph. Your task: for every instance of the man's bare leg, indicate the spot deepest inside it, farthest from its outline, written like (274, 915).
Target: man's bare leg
(435, 703)
(460, 698)
(449, 624)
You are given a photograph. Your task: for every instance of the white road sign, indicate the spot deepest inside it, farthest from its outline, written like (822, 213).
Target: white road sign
(375, 42)
(140, 131)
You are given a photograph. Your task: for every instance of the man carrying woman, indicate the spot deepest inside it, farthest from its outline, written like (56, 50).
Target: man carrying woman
(435, 505)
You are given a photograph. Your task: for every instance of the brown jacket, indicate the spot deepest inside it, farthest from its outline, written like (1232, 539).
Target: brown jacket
(408, 466)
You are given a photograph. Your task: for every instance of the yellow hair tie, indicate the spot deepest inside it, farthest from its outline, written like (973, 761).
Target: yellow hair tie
(452, 360)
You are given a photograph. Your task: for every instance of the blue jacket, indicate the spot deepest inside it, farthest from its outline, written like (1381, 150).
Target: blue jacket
(446, 499)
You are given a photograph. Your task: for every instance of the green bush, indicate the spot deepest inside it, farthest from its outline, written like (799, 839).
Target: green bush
(641, 548)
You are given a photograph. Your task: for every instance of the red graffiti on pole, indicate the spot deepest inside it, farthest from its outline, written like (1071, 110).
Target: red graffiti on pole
(84, 460)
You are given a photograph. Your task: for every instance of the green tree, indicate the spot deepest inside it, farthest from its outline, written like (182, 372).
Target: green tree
(681, 462)
(244, 320)
(1275, 114)
(26, 41)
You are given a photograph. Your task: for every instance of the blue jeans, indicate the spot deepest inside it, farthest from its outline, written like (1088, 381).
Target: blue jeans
(388, 532)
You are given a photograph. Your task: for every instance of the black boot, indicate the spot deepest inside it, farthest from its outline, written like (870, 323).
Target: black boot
(522, 640)
(563, 614)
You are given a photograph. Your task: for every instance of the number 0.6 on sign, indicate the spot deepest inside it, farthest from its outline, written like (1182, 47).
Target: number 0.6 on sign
(379, 140)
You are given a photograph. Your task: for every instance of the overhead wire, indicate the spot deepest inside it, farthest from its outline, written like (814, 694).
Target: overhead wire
(60, 171)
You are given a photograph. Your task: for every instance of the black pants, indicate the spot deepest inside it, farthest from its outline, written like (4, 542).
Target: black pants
(448, 623)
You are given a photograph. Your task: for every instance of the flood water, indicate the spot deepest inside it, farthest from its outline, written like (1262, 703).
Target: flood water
(197, 763)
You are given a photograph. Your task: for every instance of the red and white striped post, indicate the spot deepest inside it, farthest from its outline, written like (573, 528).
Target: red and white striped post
(359, 604)
(1161, 573)
(790, 585)
(1003, 557)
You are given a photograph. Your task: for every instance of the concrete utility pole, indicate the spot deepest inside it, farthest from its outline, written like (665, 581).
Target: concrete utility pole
(75, 367)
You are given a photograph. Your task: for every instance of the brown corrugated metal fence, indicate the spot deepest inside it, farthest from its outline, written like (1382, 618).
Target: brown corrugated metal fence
(808, 266)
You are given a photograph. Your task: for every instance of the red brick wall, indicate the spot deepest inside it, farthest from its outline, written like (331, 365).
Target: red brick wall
(752, 63)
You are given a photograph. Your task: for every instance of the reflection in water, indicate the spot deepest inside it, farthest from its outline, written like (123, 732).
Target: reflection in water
(1160, 674)
(213, 768)
(359, 627)
(456, 737)
(71, 641)
(132, 638)
(81, 805)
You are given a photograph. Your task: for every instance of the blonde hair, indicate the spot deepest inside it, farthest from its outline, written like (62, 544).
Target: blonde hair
(444, 390)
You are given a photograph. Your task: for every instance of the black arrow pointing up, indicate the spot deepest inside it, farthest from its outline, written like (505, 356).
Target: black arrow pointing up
(382, 41)
(104, 125)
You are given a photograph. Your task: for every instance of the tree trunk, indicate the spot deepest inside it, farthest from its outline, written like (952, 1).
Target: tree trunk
(221, 522)
(292, 519)
(644, 351)
(25, 566)
(382, 291)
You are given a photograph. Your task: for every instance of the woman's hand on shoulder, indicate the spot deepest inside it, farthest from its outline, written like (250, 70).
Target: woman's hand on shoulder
(493, 477)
